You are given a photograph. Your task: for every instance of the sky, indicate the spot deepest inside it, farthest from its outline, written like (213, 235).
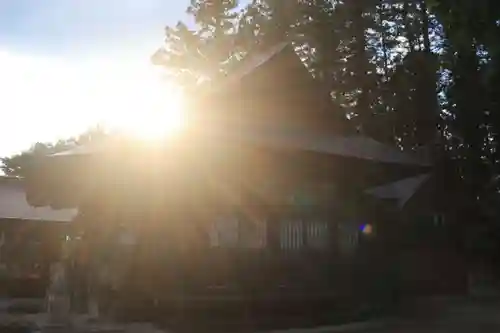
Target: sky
(66, 65)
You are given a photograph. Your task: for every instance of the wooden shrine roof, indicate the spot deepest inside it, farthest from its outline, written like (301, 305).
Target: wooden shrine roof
(309, 140)
(270, 102)
(306, 140)
(401, 190)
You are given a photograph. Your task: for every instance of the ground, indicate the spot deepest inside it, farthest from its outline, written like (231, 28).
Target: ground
(477, 315)
(457, 315)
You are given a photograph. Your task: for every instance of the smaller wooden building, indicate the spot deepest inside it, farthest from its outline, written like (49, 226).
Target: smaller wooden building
(31, 239)
(430, 258)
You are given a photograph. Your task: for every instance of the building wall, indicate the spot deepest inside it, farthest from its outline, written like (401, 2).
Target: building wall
(27, 250)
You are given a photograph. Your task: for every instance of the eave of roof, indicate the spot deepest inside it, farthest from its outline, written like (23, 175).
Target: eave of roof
(401, 191)
(13, 204)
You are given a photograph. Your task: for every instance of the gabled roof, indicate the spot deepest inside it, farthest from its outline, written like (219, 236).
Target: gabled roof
(254, 61)
(308, 127)
(401, 190)
(276, 70)
(13, 204)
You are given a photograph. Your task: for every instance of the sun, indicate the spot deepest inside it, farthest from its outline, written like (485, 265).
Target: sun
(153, 126)
(153, 117)
(145, 107)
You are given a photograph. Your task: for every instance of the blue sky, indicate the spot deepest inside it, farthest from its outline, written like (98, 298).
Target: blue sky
(85, 26)
(64, 64)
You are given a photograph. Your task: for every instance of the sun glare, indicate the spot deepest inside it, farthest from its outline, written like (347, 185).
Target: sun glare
(155, 117)
(123, 95)
(63, 98)
(149, 109)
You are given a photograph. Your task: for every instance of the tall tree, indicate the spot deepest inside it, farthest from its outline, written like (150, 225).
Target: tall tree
(204, 53)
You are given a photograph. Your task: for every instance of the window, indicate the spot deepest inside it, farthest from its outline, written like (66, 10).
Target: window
(317, 235)
(291, 235)
(438, 219)
(233, 231)
(297, 234)
(224, 232)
